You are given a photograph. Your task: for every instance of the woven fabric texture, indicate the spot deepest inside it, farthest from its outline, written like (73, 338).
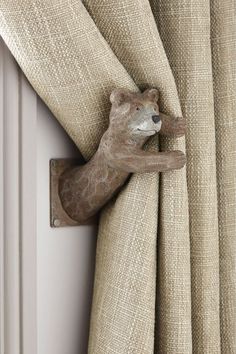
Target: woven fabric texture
(165, 279)
(189, 27)
(199, 39)
(223, 44)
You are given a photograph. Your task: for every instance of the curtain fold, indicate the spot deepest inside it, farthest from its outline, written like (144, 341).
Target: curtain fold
(165, 279)
(223, 45)
(185, 31)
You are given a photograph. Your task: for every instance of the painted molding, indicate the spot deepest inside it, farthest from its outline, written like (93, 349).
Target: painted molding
(18, 132)
(1, 207)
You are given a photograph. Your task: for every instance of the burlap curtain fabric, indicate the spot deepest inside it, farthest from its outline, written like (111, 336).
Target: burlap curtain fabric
(165, 277)
(223, 34)
(189, 28)
(203, 59)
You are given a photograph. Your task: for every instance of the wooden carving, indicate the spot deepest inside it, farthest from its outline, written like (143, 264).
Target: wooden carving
(133, 118)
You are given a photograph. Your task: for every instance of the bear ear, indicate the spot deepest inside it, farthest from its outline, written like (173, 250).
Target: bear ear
(152, 94)
(118, 96)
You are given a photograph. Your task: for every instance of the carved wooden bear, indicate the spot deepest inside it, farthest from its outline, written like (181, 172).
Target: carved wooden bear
(133, 118)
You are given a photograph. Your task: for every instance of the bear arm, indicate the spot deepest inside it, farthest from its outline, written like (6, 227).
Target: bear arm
(144, 161)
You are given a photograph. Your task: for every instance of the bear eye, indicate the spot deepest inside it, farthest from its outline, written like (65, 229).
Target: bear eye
(137, 108)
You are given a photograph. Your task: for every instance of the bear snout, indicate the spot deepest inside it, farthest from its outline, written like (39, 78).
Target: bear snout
(156, 119)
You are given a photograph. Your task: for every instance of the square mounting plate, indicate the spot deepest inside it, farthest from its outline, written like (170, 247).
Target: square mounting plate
(58, 216)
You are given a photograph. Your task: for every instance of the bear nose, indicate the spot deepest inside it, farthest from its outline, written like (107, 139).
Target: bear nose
(156, 118)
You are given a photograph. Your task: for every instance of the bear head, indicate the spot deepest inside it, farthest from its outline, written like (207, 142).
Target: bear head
(135, 114)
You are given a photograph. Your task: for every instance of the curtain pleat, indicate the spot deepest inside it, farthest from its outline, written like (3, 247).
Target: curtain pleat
(185, 31)
(165, 279)
(223, 44)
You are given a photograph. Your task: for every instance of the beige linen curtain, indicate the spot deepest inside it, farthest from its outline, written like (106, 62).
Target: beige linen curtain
(165, 279)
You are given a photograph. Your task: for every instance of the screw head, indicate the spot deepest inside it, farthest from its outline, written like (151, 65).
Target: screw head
(56, 222)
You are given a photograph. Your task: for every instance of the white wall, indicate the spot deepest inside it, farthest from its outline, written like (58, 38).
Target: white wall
(65, 256)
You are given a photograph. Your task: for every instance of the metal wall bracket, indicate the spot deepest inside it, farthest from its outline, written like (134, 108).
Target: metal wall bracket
(58, 216)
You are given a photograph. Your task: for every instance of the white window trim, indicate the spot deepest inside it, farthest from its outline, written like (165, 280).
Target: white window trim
(18, 243)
